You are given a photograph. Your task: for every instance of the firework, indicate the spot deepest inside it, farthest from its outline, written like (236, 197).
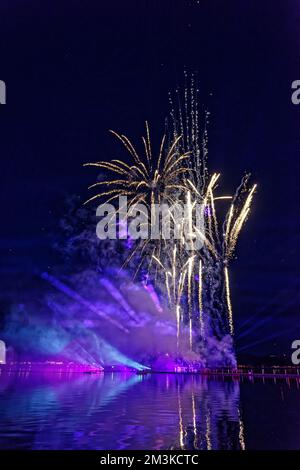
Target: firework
(195, 281)
(147, 180)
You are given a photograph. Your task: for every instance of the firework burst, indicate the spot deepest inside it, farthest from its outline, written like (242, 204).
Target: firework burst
(195, 281)
(148, 180)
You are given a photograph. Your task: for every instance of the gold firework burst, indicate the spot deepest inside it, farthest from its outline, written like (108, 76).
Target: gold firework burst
(147, 179)
(177, 173)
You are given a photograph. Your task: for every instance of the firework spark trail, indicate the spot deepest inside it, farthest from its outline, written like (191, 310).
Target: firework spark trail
(178, 325)
(200, 298)
(227, 286)
(233, 233)
(190, 301)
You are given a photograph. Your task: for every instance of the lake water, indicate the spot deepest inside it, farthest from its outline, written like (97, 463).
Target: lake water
(159, 411)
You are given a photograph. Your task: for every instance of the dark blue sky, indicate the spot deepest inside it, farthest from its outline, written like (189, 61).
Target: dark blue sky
(75, 69)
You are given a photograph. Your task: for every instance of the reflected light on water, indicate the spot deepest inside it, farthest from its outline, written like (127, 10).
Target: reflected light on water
(156, 411)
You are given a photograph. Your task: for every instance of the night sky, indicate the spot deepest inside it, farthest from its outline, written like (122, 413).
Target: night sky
(75, 69)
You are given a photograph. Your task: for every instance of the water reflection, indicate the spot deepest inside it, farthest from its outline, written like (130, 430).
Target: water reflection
(115, 411)
(209, 415)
